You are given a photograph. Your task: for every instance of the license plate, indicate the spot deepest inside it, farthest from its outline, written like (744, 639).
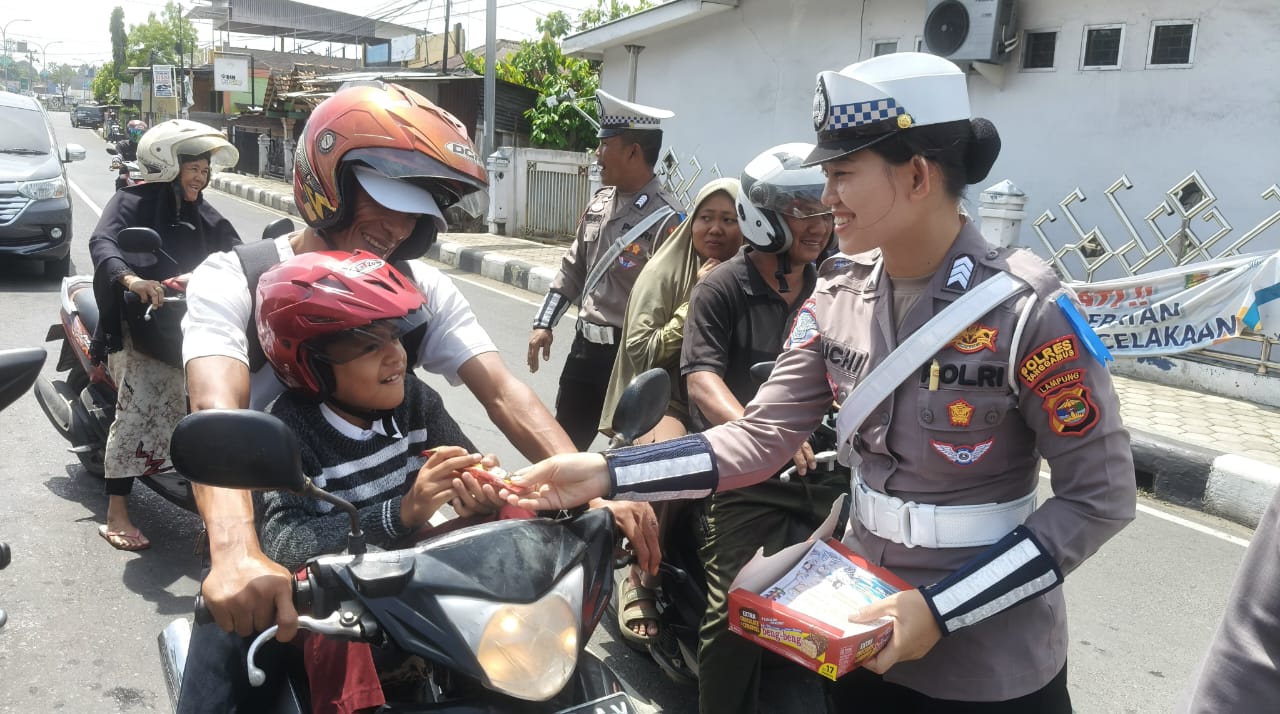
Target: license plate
(618, 703)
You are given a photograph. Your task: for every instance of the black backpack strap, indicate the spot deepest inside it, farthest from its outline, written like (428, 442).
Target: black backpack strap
(412, 341)
(255, 259)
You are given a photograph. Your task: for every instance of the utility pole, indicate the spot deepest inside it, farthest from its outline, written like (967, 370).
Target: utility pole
(444, 61)
(490, 75)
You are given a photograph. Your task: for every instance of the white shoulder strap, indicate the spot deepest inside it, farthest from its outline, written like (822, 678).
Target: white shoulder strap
(619, 245)
(907, 358)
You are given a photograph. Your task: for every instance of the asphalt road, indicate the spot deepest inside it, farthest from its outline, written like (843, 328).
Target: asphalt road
(84, 617)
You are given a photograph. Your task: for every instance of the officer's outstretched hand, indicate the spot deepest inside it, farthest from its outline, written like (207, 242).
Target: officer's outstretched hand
(540, 339)
(915, 632)
(562, 481)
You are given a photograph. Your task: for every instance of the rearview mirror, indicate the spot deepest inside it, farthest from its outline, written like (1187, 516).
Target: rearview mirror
(642, 404)
(237, 448)
(760, 371)
(139, 240)
(18, 371)
(72, 152)
(277, 228)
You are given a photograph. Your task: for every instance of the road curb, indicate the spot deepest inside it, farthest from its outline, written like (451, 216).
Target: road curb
(1226, 485)
(494, 265)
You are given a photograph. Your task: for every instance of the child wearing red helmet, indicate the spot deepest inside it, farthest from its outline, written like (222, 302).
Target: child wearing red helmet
(331, 325)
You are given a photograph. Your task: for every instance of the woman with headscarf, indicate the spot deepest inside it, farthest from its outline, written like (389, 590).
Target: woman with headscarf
(653, 331)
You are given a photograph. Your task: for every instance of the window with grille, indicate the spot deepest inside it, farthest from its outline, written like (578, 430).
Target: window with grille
(884, 47)
(1102, 47)
(1172, 44)
(1038, 50)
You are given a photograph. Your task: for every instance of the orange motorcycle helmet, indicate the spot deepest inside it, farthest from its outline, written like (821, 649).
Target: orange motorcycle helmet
(395, 132)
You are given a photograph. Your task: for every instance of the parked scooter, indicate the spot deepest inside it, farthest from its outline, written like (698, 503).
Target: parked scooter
(500, 612)
(18, 370)
(681, 596)
(128, 173)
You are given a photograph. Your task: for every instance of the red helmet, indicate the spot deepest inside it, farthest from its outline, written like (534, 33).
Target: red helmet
(394, 131)
(323, 308)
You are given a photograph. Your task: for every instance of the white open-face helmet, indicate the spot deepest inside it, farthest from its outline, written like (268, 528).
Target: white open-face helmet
(775, 183)
(161, 147)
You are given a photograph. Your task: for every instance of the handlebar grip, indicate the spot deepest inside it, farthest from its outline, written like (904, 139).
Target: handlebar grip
(6, 556)
(202, 614)
(131, 298)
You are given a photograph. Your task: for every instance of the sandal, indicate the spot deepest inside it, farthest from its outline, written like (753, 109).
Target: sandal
(124, 540)
(636, 603)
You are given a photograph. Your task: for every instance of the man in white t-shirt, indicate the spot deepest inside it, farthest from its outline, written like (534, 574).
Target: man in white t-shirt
(375, 166)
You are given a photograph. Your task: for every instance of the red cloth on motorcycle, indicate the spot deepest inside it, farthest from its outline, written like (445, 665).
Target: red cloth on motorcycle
(341, 675)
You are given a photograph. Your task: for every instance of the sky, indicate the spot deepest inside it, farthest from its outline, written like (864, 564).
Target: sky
(76, 31)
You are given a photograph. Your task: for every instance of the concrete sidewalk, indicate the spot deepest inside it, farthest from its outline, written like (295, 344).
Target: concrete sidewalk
(1214, 454)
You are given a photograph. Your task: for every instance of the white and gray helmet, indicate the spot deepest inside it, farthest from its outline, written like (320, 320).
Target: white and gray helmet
(774, 183)
(163, 144)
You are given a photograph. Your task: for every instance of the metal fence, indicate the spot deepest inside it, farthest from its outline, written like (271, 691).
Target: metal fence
(555, 195)
(1189, 203)
(680, 174)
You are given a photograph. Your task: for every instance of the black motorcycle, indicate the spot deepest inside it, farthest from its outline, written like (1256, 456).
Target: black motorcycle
(18, 370)
(500, 612)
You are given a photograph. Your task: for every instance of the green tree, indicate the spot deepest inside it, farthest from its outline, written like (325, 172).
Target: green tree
(106, 86)
(118, 38)
(156, 40)
(608, 11)
(541, 65)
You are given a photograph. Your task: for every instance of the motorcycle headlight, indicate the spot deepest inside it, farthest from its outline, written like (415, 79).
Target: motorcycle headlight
(41, 190)
(526, 651)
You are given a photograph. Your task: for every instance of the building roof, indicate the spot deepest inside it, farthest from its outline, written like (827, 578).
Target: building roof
(632, 28)
(286, 18)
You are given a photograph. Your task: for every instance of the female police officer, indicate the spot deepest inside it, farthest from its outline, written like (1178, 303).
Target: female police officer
(948, 458)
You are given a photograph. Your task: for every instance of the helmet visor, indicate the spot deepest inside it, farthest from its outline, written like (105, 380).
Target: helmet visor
(799, 200)
(355, 343)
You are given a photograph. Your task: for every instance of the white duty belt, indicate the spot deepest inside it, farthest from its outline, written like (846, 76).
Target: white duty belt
(928, 526)
(597, 334)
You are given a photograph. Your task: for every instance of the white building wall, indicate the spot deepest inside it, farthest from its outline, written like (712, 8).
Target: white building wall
(742, 80)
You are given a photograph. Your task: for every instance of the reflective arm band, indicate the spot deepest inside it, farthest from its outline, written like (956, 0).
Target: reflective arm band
(667, 470)
(1013, 570)
(553, 308)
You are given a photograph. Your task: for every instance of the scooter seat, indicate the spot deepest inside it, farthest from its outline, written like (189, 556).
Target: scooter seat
(87, 307)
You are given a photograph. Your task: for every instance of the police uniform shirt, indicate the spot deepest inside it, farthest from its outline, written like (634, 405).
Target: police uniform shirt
(609, 215)
(736, 320)
(976, 438)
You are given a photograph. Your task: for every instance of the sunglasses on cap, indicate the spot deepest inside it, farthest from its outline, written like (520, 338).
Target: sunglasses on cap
(355, 343)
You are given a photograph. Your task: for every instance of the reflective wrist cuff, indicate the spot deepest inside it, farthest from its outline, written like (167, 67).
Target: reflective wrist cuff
(667, 470)
(553, 308)
(1013, 570)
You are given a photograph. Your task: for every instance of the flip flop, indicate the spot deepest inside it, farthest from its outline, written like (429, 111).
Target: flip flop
(635, 604)
(123, 540)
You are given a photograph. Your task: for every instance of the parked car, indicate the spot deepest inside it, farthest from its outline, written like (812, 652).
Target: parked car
(35, 206)
(87, 116)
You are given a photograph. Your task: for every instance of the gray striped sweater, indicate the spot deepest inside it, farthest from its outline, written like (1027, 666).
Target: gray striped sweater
(373, 475)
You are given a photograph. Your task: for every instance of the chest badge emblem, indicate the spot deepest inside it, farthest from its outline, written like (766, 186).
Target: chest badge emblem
(962, 455)
(960, 412)
(975, 338)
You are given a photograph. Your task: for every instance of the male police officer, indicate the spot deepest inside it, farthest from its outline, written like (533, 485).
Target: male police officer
(621, 228)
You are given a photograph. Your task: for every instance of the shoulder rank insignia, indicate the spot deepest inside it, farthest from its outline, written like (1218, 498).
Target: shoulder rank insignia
(642, 200)
(959, 274)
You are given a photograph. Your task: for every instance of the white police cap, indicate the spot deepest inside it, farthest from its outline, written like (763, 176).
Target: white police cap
(617, 116)
(871, 100)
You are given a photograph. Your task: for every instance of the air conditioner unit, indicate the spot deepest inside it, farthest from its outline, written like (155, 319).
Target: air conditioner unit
(970, 30)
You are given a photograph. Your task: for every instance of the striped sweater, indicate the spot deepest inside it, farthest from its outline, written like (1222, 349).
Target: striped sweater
(372, 474)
